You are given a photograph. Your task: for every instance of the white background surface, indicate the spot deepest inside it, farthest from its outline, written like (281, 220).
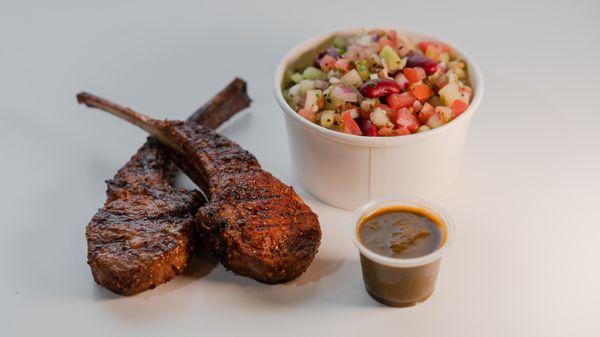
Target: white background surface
(526, 259)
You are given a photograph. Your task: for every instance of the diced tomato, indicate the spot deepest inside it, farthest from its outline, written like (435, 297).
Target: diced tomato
(364, 114)
(434, 51)
(308, 114)
(385, 41)
(393, 36)
(321, 103)
(390, 39)
(327, 63)
(402, 131)
(350, 125)
(425, 44)
(426, 111)
(403, 100)
(408, 120)
(342, 64)
(415, 74)
(458, 107)
(368, 129)
(422, 91)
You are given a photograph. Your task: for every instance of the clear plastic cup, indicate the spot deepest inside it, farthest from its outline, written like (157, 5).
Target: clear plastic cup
(401, 282)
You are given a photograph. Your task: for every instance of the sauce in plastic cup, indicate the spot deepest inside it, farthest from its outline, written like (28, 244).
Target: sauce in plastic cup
(401, 282)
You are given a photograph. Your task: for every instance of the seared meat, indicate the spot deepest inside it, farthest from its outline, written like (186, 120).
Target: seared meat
(256, 225)
(143, 236)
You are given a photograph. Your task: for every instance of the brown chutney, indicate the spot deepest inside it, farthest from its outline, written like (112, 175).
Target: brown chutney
(400, 232)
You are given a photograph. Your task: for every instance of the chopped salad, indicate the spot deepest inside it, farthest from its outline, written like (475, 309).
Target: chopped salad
(378, 83)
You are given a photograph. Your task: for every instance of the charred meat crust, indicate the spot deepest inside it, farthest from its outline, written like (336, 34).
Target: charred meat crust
(144, 234)
(256, 225)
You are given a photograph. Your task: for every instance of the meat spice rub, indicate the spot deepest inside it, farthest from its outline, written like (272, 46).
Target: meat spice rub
(143, 235)
(256, 225)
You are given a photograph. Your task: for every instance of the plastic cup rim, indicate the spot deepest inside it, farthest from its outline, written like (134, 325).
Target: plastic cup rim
(402, 200)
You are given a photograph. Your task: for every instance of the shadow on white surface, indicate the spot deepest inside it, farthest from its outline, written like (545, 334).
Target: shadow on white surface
(318, 270)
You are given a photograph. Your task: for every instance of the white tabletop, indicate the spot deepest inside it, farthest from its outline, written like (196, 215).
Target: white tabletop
(525, 261)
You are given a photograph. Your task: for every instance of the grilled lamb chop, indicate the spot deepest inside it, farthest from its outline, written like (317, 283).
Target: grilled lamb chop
(143, 236)
(256, 225)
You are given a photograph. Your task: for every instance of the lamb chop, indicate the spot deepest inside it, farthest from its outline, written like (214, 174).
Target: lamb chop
(143, 236)
(253, 223)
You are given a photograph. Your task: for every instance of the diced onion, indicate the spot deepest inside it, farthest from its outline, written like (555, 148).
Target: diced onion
(321, 84)
(364, 40)
(368, 103)
(379, 117)
(402, 80)
(344, 94)
(423, 128)
(445, 113)
(312, 99)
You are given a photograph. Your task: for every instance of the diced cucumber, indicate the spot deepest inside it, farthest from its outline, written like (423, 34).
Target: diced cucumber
(327, 118)
(451, 92)
(297, 77)
(362, 69)
(352, 78)
(423, 128)
(339, 42)
(458, 67)
(306, 85)
(390, 58)
(312, 73)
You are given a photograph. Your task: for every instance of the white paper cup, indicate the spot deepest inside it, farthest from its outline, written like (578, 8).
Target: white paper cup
(346, 170)
(396, 281)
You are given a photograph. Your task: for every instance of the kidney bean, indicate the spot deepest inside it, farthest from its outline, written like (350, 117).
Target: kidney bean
(420, 60)
(368, 129)
(379, 88)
